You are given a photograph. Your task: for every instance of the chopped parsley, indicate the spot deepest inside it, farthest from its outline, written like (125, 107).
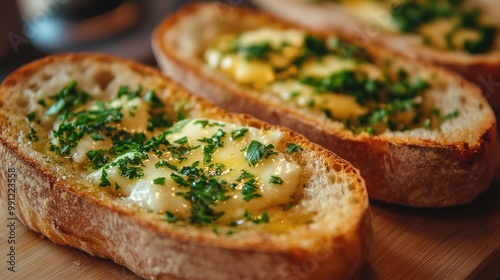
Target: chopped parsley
(182, 140)
(98, 158)
(42, 103)
(97, 123)
(212, 143)
(409, 16)
(451, 115)
(131, 167)
(163, 163)
(245, 175)
(159, 181)
(205, 123)
(32, 136)
(202, 191)
(179, 180)
(249, 190)
(153, 99)
(238, 133)
(257, 151)
(385, 99)
(31, 116)
(276, 180)
(104, 179)
(292, 148)
(264, 217)
(158, 121)
(68, 99)
(315, 47)
(256, 51)
(125, 91)
(216, 169)
(170, 217)
(180, 110)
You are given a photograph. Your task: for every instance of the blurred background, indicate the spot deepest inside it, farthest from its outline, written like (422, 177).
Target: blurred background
(30, 29)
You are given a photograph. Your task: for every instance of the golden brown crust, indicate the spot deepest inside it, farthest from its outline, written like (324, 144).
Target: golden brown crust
(397, 169)
(483, 70)
(103, 226)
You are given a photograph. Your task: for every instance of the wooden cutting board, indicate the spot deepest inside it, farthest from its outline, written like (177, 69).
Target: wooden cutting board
(453, 243)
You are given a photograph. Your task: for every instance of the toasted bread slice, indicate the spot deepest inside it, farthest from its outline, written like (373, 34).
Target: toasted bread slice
(446, 165)
(376, 21)
(323, 230)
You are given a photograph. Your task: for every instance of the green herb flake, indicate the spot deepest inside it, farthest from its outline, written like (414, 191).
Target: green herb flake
(182, 140)
(104, 179)
(238, 133)
(153, 99)
(98, 158)
(203, 123)
(409, 16)
(216, 230)
(249, 190)
(170, 217)
(32, 136)
(254, 52)
(275, 180)
(264, 218)
(31, 116)
(256, 151)
(159, 181)
(125, 91)
(158, 121)
(203, 192)
(42, 103)
(292, 148)
(212, 143)
(67, 100)
(245, 175)
(131, 167)
(180, 110)
(163, 163)
(179, 180)
(451, 115)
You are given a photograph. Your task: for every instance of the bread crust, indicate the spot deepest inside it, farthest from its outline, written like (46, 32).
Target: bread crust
(53, 204)
(400, 170)
(483, 70)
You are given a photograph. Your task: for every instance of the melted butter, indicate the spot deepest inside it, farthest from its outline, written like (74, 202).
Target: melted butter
(340, 105)
(161, 198)
(437, 31)
(260, 74)
(135, 114)
(326, 66)
(281, 223)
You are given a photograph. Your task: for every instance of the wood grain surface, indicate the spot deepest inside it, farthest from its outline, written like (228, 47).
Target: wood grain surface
(452, 243)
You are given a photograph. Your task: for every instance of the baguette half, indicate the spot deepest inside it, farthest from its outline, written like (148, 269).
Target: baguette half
(54, 197)
(367, 25)
(447, 166)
